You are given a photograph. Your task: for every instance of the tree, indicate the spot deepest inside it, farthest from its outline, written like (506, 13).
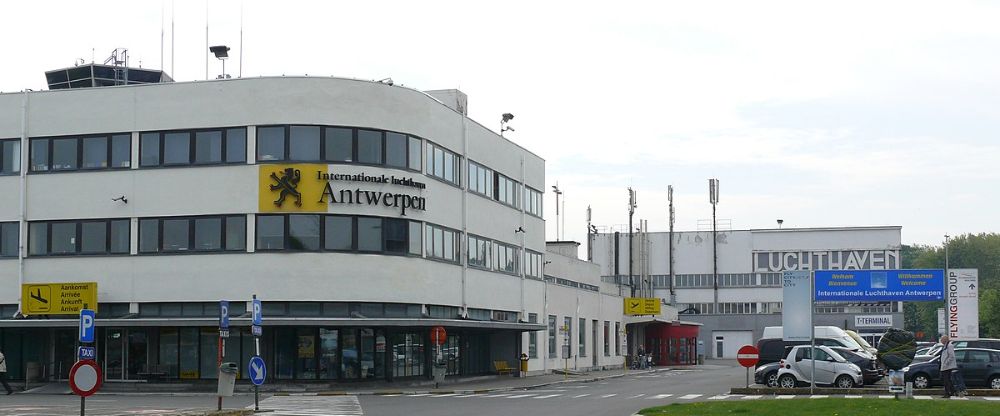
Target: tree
(967, 251)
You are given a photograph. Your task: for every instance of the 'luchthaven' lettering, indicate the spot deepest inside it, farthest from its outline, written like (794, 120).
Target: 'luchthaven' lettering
(388, 199)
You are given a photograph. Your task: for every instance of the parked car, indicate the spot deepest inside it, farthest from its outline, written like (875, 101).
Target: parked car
(987, 343)
(767, 375)
(871, 371)
(979, 367)
(772, 347)
(831, 368)
(861, 341)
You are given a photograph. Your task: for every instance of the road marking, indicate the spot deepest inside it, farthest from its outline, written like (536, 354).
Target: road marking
(689, 396)
(752, 397)
(818, 396)
(498, 395)
(581, 395)
(391, 395)
(547, 396)
(609, 395)
(960, 398)
(785, 396)
(991, 398)
(311, 405)
(418, 395)
(922, 397)
(719, 397)
(445, 395)
(660, 396)
(852, 396)
(637, 396)
(522, 395)
(886, 396)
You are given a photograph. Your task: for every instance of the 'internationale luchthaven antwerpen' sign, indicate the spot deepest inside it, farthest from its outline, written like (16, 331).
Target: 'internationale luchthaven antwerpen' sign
(879, 285)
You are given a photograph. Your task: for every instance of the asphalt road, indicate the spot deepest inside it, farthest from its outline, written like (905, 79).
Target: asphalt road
(620, 396)
(617, 396)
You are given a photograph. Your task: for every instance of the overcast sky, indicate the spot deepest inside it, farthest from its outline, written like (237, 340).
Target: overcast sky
(818, 113)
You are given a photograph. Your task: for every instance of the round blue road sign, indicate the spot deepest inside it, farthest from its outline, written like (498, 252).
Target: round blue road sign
(257, 371)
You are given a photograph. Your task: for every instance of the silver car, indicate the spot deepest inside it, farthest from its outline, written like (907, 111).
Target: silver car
(831, 368)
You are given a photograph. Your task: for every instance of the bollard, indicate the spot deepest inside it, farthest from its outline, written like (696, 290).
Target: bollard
(909, 389)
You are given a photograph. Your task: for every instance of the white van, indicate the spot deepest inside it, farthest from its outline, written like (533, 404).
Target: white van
(826, 332)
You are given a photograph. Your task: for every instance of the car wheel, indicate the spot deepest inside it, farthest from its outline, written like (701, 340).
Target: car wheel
(772, 379)
(921, 381)
(845, 382)
(995, 383)
(787, 381)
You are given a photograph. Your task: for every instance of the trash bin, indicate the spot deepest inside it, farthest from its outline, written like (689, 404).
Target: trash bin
(524, 365)
(227, 378)
(439, 371)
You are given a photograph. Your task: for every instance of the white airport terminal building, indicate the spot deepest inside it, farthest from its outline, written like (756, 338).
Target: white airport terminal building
(734, 288)
(362, 214)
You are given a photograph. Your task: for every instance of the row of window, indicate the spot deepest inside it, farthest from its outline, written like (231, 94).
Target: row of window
(493, 255)
(532, 201)
(311, 232)
(499, 187)
(725, 280)
(193, 147)
(443, 243)
(444, 164)
(184, 234)
(112, 151)
(103, 236)
(338, 145)
(567, 330)
(533, 264)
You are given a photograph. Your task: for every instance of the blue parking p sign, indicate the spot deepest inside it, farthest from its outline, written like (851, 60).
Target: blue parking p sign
(87, 325)
(223, 314)
(257, 313)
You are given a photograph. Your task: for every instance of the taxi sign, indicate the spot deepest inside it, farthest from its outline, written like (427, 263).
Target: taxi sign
(58, 298)
(86, 353)
(642, 306)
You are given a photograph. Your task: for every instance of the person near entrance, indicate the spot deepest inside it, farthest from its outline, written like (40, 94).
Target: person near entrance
(3, 374)
(948, 365)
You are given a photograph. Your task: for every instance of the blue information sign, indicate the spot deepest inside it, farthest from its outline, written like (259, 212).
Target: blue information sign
(257, 313)
(257, 370)
(223, 314)
(87, 325)
(87, 353)
(879, 285)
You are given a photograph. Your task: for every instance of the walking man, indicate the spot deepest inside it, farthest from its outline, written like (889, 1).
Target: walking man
(948, 365)
(3, 373)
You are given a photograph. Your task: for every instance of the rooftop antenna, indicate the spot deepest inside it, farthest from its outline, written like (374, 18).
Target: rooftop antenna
(172, 39)
(241, 41)
(206, 39)
(163, 6)
(713, 198)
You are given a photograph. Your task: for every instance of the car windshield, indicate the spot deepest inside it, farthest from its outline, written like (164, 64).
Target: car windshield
(860, 341)
(934, 350)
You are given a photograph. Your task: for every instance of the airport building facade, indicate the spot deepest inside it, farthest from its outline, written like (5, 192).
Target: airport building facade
(734, 288)
(362, 214)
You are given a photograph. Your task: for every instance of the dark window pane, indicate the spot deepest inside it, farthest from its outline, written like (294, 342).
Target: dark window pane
(38, 238)
(64, 154)
(120, 241)
(369, 234)
(395, 235)
(39, 155)
(303, 232)
(339, 233)
(395, 149)
(175, 235)
(10, 156)
(63, 237)
(121, 151)
(208, 147)
(415, 153)
(270, 232)
(236, 233)
(236, 145)
(303, 143)
(270, 143)
(149, 148)
(369, 146)
(149, 236)
(95, 152)
(94, 237)
(8, 239)
(176, 148)
(208, 234)
(339, 144)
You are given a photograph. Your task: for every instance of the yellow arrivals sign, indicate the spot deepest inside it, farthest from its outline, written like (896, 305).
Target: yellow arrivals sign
(58, 298)
(642, 306)
(291, 188)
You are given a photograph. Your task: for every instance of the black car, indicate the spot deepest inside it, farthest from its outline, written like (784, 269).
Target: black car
(870, 370)
(979, 367)
(767, 375)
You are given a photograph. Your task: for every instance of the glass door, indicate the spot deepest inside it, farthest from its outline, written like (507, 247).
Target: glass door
(65, 350)
(114, 354)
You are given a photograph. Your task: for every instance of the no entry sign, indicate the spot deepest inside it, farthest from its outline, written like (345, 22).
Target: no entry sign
(85, 378)
(748, 356)
(438, 335)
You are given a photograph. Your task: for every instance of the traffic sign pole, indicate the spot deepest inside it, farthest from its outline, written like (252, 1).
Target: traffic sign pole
(258, 317)
(748, 356)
